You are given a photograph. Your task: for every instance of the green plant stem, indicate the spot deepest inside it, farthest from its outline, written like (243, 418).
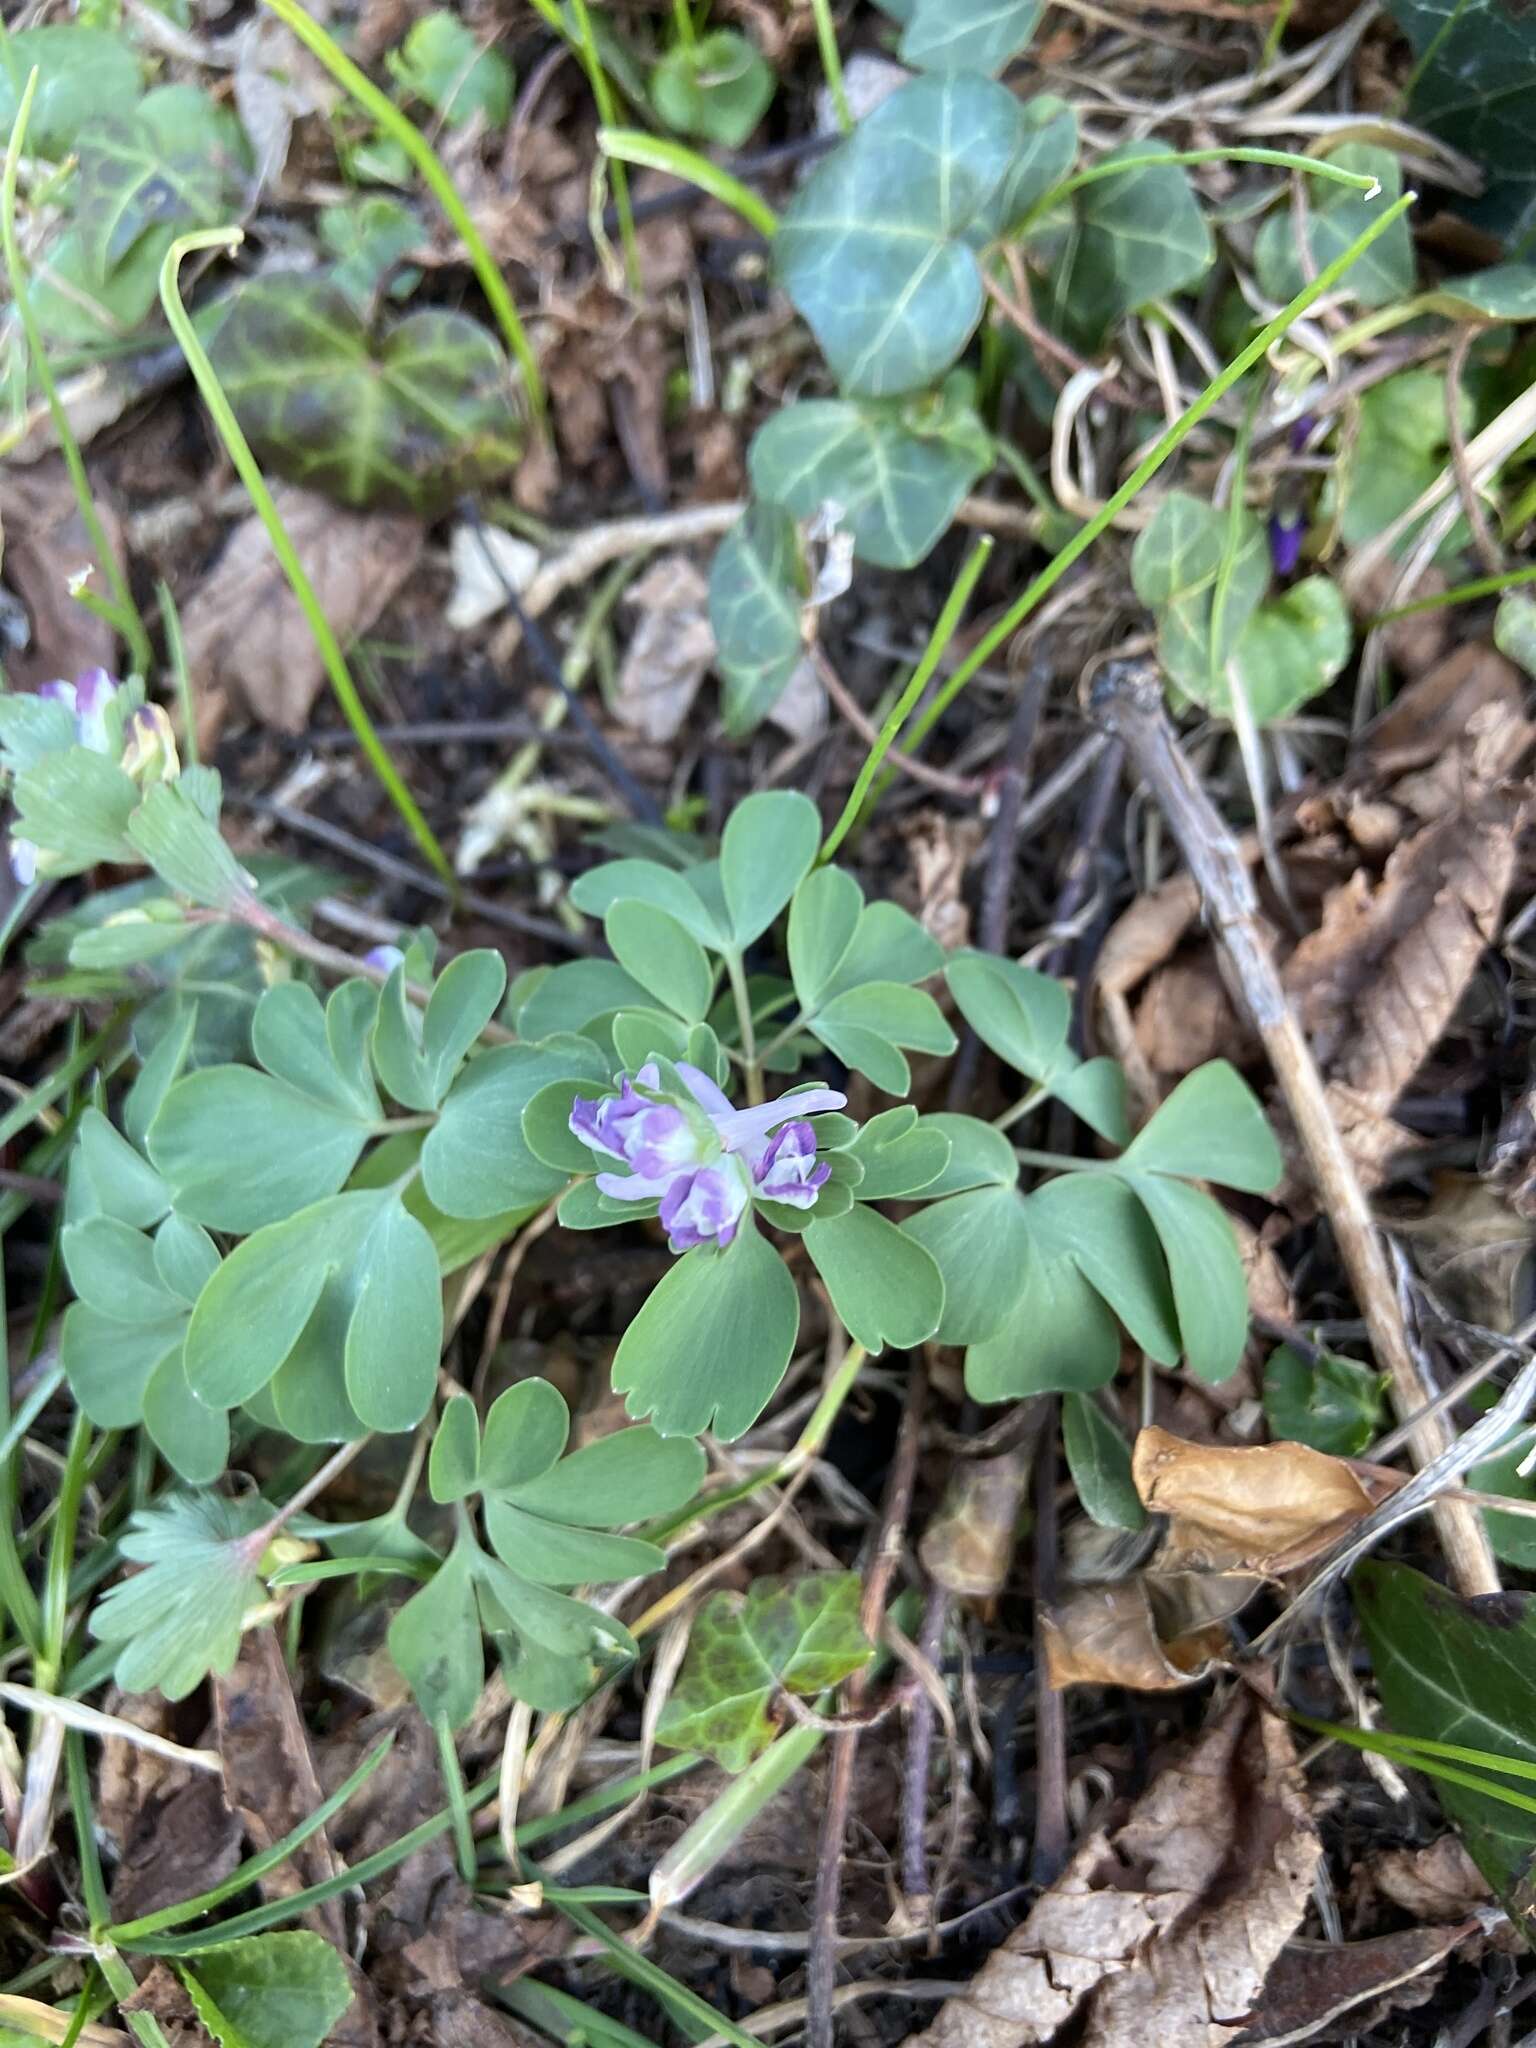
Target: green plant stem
(1463, 593)
(176, 654)
(1056, 1162)
(832, 63)
(61, 1556)
(92, 1884)
(403, 130)
(119, 1980)
(228, 428)
(1166, 445)
(124, 613)
(682, 15)
(1282, 159)
(60, 1081)
(826, 1411)
(656, 153)
(741, 996)
(458, 1806)
(1017, 1111)
(16, 1592)
(943, 632)
(608, 116)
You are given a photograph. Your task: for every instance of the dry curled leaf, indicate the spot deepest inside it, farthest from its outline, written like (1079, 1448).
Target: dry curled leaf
(1164, 1928)
(1264, 1508)
(669, 652)
(488, 562)
(1110, 1635)
(244, 631)
(968, 1547)
(1437, 1882)
(1315, 1983)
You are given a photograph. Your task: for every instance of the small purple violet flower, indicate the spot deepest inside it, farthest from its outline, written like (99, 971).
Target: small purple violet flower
(383, 959)
(87, 698)
(702, 1160)
(1285, 537)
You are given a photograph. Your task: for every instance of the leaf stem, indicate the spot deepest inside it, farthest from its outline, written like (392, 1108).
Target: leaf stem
(1462, 593)
(1060, 1162)
(608, 114)
(657, 153)
(682, 15)
(745, 1024)
(1166, 445)
(943, 632)
(229, 432)
(312, 1488)
(426, 159)
(1282, 159)
(832, 63)
(1017, 1111)
(124, 613)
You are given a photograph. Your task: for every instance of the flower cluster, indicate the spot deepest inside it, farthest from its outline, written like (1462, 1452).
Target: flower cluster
(142, 743)
(704, 1161)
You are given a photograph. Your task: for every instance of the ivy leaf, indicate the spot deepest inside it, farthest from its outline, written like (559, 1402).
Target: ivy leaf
(441, 62)
(1475, 85)
(1100, 1463)
(1336, 216)
(884, 1286)
(1210, 1128)
(86, 74)
(877, 249)
(799, 1634)
(171, 164)
(968, 35)
(718, 88)
(270, 1991)
(712, 1341)
(411, 417)
(1291, 650)
(756, 587)
(1401, 447)
(1463, 1671)
(1506, 292)
(1129, 239)
(1176, 565)
(183, 1615)
(1331, 1404)
(895, 469)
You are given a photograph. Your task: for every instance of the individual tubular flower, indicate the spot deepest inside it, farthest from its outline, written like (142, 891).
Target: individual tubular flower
(701, 1159)
(1286, 534)
(87, 698)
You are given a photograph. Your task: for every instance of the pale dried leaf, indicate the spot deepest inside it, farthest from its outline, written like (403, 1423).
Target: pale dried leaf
(1248, 1507)
(480, 585)
(941, 850)
(1107, 1635)
(49, 2023)
(1470, 1246)
(45, 546)
(801, 709)
(969, 1545)
(275, 84)
(1162, 1930)
(1438, 1882)
(1186, 1017)
(1429, 720)
(669, 652)
(243, 627)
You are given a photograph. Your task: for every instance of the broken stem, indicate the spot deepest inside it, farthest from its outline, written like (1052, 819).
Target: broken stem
(1127, 699)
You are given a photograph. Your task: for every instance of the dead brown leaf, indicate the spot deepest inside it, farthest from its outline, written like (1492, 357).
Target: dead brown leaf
(969, 1545)
(1430, 720)
(45, 545)
(1165, 1928)
(1186, 1017)
(243, 628)
(941, 849)
(669, 652)
(1109, 1635)
(1264, 1508)
(1438, 1882)
(1315, 1983)
(1470, 1247)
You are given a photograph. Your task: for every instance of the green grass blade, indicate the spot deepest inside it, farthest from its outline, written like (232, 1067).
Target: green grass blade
(1167, 444)
(639, 1970)
(656, 153)
(1461, 593)
(228, 429)
(1411, 1747)
(434, 174)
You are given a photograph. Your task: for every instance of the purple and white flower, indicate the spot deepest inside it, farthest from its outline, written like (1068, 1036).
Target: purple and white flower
(23, 859)
(383, 959)
(87, 699)
(702, 1159)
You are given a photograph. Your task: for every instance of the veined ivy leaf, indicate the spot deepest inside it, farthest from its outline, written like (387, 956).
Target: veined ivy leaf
(1175, 565)
(1330, 1403)
(1047, 152)
(369, 237)
(756, 586)
(269, 1991)
(895, 469)
(877, 249)
(86, 74)
(411, 418)
(799, 1634)
(968, 35)
(173, 162)
(1475, 84)
(1122, 242)
(1462, 1671)
(884, 1286)
(717, 88)
(1401, 447)
(183, 1616)
(711, 1341)
(1506, 292)
(1336, 216)
(442, 62)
